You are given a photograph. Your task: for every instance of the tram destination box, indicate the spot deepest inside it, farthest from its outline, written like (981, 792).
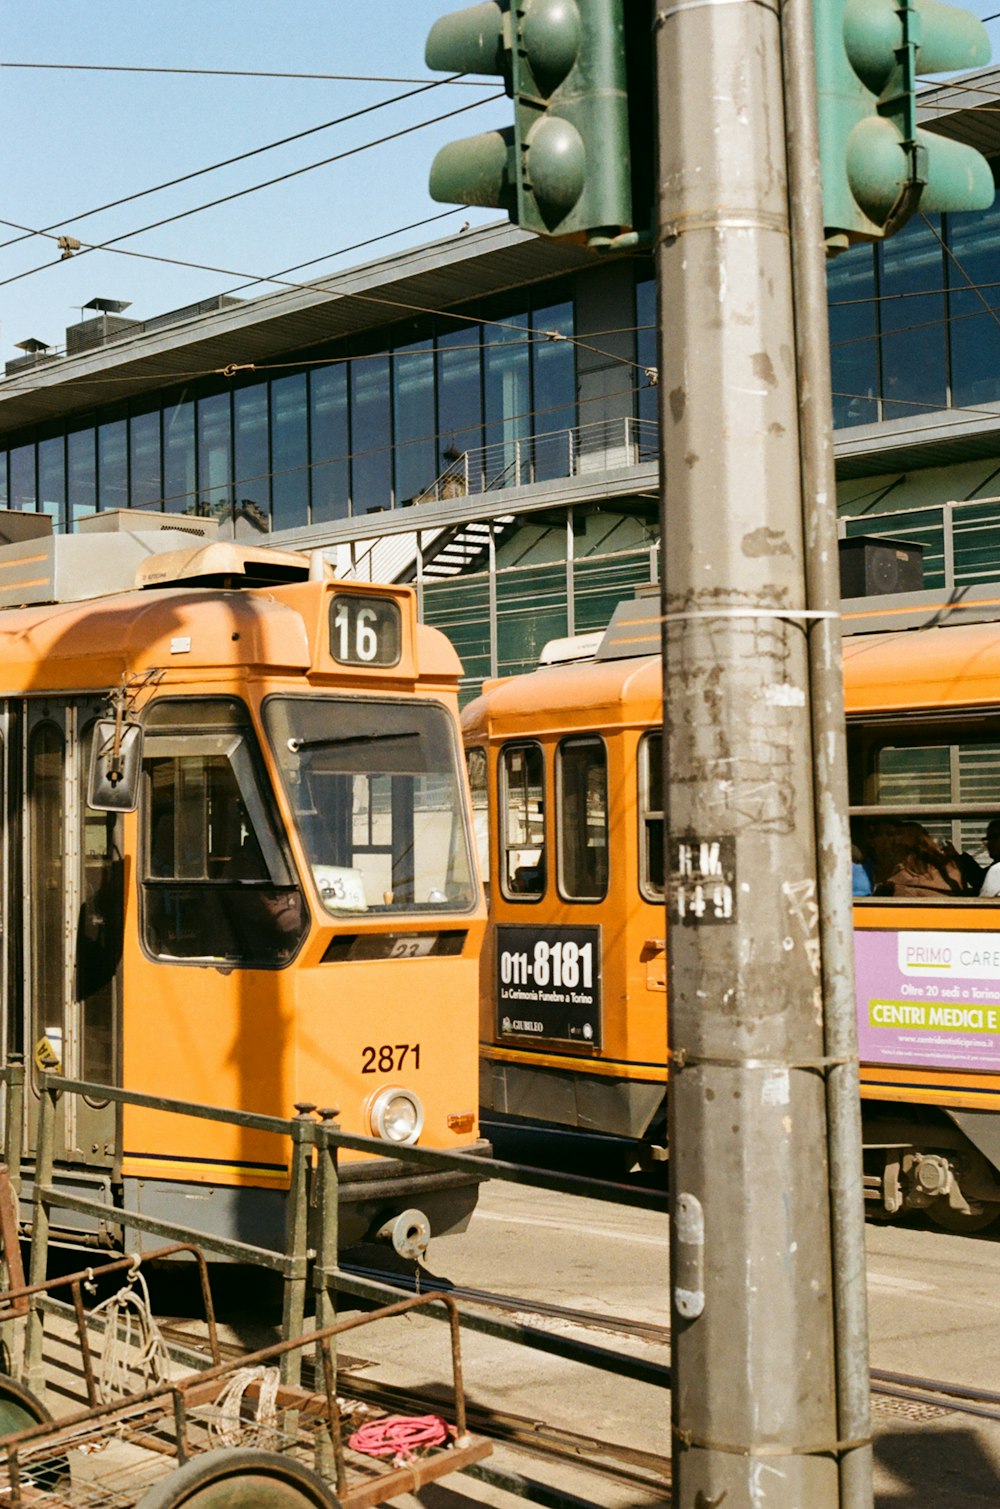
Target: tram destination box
(549, 984)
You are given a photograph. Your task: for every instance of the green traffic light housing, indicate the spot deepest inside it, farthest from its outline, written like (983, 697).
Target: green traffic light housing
(564, 167)
(877, 167)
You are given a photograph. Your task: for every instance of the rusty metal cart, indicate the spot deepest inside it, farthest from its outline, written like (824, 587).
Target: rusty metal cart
(232, 1434)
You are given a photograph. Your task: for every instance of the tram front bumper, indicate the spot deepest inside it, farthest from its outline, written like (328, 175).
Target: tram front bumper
(372, 1192)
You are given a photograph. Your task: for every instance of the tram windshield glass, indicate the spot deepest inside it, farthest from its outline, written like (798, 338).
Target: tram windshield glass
(217, 881)
(375, 789)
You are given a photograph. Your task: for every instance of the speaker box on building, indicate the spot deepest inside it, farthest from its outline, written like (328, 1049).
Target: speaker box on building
(873, 567)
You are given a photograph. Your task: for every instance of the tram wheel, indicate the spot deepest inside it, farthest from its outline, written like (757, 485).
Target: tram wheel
(19, 1410)
(964, 1222)
(240, 1476)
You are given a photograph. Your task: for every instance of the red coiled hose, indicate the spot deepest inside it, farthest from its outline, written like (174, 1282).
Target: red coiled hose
(400, 1436)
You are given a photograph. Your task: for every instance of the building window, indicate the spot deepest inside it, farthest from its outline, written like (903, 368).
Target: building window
(371, 480)
(23, 493)
(144, 460)
(973, 322)
(81, 473)
(112, 465)
(852, 303)
(329, 430)
(507, 394)
(251, 462)
(413, 412)
(646, 354)
(912, 318)
(289, 453)
(52, 480)
(214, 447)
(179, 486)
(553, 365)
(460, 411)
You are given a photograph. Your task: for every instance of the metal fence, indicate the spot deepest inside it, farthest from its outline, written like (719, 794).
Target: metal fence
(311, 1245)
(961, 538)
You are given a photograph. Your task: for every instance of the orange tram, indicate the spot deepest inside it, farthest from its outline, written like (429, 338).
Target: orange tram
(565, 767)
(290, 911)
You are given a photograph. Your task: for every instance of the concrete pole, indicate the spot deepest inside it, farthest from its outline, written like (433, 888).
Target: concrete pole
(755, 1377)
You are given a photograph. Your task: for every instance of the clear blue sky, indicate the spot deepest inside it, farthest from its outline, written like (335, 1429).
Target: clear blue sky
(74, 140)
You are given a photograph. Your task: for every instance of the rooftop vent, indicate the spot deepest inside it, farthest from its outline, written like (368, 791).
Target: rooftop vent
(105, 323)
(35, 351)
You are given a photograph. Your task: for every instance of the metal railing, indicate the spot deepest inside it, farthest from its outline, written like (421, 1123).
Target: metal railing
(311, 1247)
(523, 460)
(961, 538)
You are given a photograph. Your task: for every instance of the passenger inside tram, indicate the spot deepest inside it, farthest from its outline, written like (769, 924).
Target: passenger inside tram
(899, 857)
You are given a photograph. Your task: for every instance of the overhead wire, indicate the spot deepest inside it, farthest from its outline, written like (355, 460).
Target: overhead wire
(248, 73)
(112, 243)
(322, 287)
(226, 162)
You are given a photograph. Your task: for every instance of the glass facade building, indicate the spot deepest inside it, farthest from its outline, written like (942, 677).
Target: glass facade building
(337, 432)
(914, 327)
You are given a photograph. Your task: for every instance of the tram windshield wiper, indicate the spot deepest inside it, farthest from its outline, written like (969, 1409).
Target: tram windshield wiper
(296, 745)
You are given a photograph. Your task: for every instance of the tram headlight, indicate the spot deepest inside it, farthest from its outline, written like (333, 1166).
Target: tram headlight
(396, 1115)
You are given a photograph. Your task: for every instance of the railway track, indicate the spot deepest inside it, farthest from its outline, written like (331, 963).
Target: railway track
(641, 1471)
(957, 1398)
(611, 1462)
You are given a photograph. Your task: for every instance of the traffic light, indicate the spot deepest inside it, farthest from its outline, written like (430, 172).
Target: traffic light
(877, 167)
(564, 167)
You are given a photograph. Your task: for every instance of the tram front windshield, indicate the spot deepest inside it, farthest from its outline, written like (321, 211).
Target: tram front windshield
(375, 789)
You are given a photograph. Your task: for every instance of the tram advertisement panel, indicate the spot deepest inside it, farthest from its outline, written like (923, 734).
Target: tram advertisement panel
(930, 999)
(549, 983)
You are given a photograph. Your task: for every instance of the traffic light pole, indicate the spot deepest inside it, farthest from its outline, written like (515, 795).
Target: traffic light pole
(767, 1323)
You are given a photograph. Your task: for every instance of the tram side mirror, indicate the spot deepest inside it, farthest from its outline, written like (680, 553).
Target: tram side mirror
(115, 763)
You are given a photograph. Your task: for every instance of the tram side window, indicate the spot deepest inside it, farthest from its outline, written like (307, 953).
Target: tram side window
(921, 806)
(582, 804)
(522, 816)
(47, 879)
(651, 817)
(99, 929)
(217, 882)
(478, 767)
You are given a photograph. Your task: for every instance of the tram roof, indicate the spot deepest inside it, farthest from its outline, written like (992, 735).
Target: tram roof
(193, 633)
(923, 668)
(584, 694)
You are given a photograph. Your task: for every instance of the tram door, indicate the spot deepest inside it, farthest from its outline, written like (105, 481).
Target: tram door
(66, 895)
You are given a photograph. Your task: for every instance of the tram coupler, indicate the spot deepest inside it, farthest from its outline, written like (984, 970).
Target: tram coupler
(409, 1232)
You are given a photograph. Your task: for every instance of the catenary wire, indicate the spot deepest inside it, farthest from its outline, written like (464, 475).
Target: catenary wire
(250, 73)
(226, 162)
(324, 288)
(957, 261)
(112, 243)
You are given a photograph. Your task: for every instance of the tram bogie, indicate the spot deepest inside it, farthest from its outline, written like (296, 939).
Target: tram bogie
(924, 746)
(291, 914)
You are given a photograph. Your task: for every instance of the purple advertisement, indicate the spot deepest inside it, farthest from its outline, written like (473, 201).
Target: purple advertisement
(929, 999)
